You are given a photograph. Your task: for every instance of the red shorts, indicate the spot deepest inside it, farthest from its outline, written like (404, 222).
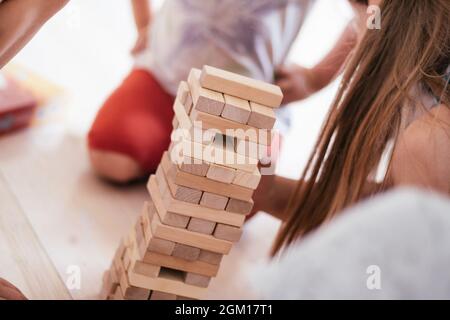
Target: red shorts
(136, 121)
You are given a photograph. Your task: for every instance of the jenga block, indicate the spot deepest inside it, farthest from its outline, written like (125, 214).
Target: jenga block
(168, 218)
(146, 269)
(185, 252)
(210, 258)
(188, 104)
(189, 181)
(240, 86)
(158, 295)
(216, 153)
(201, 226)
(189, 238)
(132, 292)
(261, 117)
(203, 99)
(228, 233)
(236, 109)
(197, 280)
(193, 210)
(183, 92)
(169, 281)
(239, 206)
(214, 201)
(231, 128)
(221, 173)
(251, 149)
(184, 298)
(247, 180)
(197, 266)
(194, 166)
(182, 116)
(179, 192)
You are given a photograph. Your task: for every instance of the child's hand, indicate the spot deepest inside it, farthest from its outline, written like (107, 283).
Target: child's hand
(295, 82)
(9, 292)
(142, 41)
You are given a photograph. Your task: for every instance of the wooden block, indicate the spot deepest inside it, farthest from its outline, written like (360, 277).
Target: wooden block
(205, 100)
(175, 123)
(247, 180)
(182, 116)
(184, 298)
(221, 173)
(240, 86)
(216, 153)
(214, 201)
(236, 109)
(168, 218)
(228, 233)
(201, 226)
(189, 181)
(189, 238)
(194, 166)
(185, 252)
(168, 281)
(146, 269)
(230, 128)
(261, 117)
(239, 206)
(159, 295)
(172, 205)
(188, 104)
(210, 257)
(197, 280)
(179, 192)
(197, 266)
(131, 292)
(251, 149)
(183, 92)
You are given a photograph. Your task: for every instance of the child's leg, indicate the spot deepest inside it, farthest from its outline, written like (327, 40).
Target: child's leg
(132, 129)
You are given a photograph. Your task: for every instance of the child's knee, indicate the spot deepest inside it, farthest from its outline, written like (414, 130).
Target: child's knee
(114, 166)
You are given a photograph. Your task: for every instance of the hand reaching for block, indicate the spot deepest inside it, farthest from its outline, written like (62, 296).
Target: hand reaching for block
(10, 292)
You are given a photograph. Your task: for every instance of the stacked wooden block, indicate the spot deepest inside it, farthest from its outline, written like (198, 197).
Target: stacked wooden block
(202, 190)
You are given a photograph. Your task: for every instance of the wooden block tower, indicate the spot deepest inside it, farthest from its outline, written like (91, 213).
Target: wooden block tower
(202, 190)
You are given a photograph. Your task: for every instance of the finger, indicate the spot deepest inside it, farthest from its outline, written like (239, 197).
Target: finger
(11, 294)
(284, 84)
(282, 71)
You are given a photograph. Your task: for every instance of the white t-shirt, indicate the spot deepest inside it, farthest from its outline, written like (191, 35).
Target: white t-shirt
(250, 37)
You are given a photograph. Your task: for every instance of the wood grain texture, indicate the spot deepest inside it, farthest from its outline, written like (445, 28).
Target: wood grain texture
(239, 206)
(221, 173)
(169, 282)
(182, 179)
(214, 201)
(192, 210)
(230, 128)
(247, 180)
(240, 86)
(205, 100)
(261, 116)
(199, 267)
(33, 272)
(210, 257)
(189, 238)
(228, 233)
(201, 226)
(197, 280)
(185, 252)
(236, 109)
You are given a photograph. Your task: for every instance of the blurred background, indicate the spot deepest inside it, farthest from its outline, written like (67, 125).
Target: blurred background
(75, 61)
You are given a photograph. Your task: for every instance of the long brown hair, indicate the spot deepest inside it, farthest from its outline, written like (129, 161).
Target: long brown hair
(411, 49)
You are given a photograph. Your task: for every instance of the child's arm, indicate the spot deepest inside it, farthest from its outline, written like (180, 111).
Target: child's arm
(298, 83)
(20, 20)
(142, 16)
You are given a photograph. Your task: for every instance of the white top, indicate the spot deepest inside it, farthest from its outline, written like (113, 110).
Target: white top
(250, 37)
(395, 246)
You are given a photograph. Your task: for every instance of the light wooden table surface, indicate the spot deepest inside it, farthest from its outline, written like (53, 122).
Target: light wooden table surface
(55, 215)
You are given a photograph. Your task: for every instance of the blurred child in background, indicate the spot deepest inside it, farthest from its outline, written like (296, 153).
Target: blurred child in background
(250, 37)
